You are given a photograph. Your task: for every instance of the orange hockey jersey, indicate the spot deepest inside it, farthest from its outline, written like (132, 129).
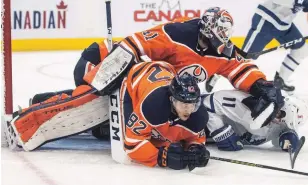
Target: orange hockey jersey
(176, 43)
(148, 116)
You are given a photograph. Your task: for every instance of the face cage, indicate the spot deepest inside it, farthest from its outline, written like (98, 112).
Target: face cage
(292, 122)
(222, 29)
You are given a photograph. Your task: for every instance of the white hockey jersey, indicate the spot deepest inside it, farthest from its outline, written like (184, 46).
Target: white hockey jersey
(280, 13)
(226, 107)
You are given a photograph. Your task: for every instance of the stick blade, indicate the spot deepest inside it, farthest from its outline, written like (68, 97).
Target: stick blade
(302, 141)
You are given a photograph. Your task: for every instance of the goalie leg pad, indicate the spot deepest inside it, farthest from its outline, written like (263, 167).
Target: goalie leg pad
(108, 75)
(45, 96)
(58, 118)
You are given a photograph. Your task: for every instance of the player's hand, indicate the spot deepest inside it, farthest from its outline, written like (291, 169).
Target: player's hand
(199, 156)
(176, 158)
(287, 139)
(267, 93)
(172, 156)
(226, 139)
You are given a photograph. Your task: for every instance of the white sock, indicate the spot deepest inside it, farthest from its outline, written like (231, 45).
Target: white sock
(287, 67)
(292, 61)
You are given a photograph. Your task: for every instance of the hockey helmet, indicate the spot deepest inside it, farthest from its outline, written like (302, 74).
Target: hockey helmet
(216, 25)
(294, 113)
(185, 89)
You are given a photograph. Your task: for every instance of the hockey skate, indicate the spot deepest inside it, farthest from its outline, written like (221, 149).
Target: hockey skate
(280, 84)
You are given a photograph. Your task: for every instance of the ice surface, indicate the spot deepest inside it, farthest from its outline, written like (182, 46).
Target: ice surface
(84, 160)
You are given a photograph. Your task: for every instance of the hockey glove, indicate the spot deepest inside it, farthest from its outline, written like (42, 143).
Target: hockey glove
(198, 156)
(288, 138)
(226, 139)
(266, 92)
(176, 158)
(305, 6)
(172, 157)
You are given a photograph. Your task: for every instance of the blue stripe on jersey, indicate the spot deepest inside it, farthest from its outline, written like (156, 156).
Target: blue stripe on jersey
(212, 108)
(228, 105)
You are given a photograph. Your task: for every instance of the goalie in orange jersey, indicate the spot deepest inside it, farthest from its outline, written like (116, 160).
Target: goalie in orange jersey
(200, 47)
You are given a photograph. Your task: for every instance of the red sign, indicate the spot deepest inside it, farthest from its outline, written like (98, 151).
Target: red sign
(166, 10)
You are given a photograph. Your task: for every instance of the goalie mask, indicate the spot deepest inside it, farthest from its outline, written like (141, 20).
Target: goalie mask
(294, 113)
(216, 25)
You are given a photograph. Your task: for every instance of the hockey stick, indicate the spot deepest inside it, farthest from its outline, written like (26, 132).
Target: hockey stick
(256, 54)
(109, 24)
(296, 152)
(258, 165)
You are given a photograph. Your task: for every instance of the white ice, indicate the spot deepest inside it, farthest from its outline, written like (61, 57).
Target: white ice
(84, 160)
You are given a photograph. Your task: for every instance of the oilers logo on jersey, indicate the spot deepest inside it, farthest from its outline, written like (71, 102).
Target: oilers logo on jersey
(196, 71)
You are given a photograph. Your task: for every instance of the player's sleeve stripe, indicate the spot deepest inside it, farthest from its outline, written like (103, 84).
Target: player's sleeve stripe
(126, 46)
(138, 44)
(138, 79)
(228, 105)
(138, 71)
(244, 77)
(135, 47)
(137, 146)
(242, 72)
(212, 108)
(129, 147)
(228, 99)
(237, 69)
(131, 140)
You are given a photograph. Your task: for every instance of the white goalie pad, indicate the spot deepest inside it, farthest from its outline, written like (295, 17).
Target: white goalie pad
(66, 123)
(111, 67)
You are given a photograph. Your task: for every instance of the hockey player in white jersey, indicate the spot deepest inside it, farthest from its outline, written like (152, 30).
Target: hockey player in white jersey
(273, 19)
(232, 127)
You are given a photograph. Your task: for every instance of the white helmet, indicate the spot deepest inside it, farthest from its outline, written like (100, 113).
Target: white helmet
(217, 25)
(294, 113)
